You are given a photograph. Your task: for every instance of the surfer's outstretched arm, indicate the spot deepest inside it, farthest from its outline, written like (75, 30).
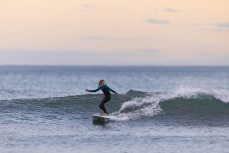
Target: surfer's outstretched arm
(94, 90)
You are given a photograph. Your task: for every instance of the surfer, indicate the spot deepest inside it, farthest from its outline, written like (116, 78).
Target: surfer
(107, 95)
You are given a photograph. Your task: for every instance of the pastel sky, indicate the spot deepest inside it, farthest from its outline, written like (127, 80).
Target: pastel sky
(114, 32)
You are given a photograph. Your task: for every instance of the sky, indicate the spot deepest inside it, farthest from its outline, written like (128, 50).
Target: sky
(114, 32)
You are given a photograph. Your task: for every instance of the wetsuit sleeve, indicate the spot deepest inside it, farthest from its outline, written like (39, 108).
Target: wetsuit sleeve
(112, 90)
(95, 90)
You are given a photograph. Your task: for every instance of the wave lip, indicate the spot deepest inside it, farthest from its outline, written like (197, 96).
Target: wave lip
(183, 102)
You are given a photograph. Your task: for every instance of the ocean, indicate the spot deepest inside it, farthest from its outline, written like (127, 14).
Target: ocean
(45, 109)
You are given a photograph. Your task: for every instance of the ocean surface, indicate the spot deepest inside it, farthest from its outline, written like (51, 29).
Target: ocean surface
(45, 109)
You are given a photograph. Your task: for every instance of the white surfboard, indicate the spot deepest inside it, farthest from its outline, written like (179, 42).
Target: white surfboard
(103, 117)
(99, 119)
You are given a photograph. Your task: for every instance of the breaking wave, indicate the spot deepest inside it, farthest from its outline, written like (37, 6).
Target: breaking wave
(183, 101)
(134, 105)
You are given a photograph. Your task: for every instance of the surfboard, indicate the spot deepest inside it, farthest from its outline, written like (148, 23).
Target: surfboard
(98, 119)
(103, 117)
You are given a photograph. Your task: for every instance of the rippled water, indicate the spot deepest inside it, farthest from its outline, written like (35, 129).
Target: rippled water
(159, 109)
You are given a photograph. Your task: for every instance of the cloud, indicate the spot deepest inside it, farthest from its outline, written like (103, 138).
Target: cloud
(171, 10)
(213, 29)
(168, 10)
(223, 25)
(138, 53)
(157, 21)
(217, 27)
(151, 52)
(107, 38)
(88, 7)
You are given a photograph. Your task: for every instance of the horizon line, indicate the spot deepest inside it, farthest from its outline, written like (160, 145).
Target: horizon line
(69, 65)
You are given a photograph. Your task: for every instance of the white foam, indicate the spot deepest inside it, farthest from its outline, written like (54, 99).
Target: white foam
(186, 92)
(151, 109)
(149, 106)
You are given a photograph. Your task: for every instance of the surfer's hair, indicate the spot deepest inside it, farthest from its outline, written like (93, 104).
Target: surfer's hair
(101, 82)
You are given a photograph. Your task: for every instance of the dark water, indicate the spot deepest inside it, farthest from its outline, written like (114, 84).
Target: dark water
(159, 109)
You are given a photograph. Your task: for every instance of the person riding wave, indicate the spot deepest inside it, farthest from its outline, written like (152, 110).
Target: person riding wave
(107, 95)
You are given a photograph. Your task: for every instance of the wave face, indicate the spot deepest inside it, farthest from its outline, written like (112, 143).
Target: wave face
(184, 104)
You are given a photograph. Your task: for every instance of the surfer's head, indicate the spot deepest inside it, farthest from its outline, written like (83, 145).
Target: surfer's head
(102, 82)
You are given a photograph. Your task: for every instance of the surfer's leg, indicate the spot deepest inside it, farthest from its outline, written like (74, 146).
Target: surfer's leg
(102, 106)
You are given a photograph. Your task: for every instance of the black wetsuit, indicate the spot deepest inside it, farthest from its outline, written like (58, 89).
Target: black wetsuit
(107, 96)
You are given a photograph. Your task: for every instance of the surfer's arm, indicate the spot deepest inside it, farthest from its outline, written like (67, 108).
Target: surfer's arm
(94, 90)
(112, 90)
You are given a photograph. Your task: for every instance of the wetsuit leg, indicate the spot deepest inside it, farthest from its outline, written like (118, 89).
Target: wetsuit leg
(102, 106)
